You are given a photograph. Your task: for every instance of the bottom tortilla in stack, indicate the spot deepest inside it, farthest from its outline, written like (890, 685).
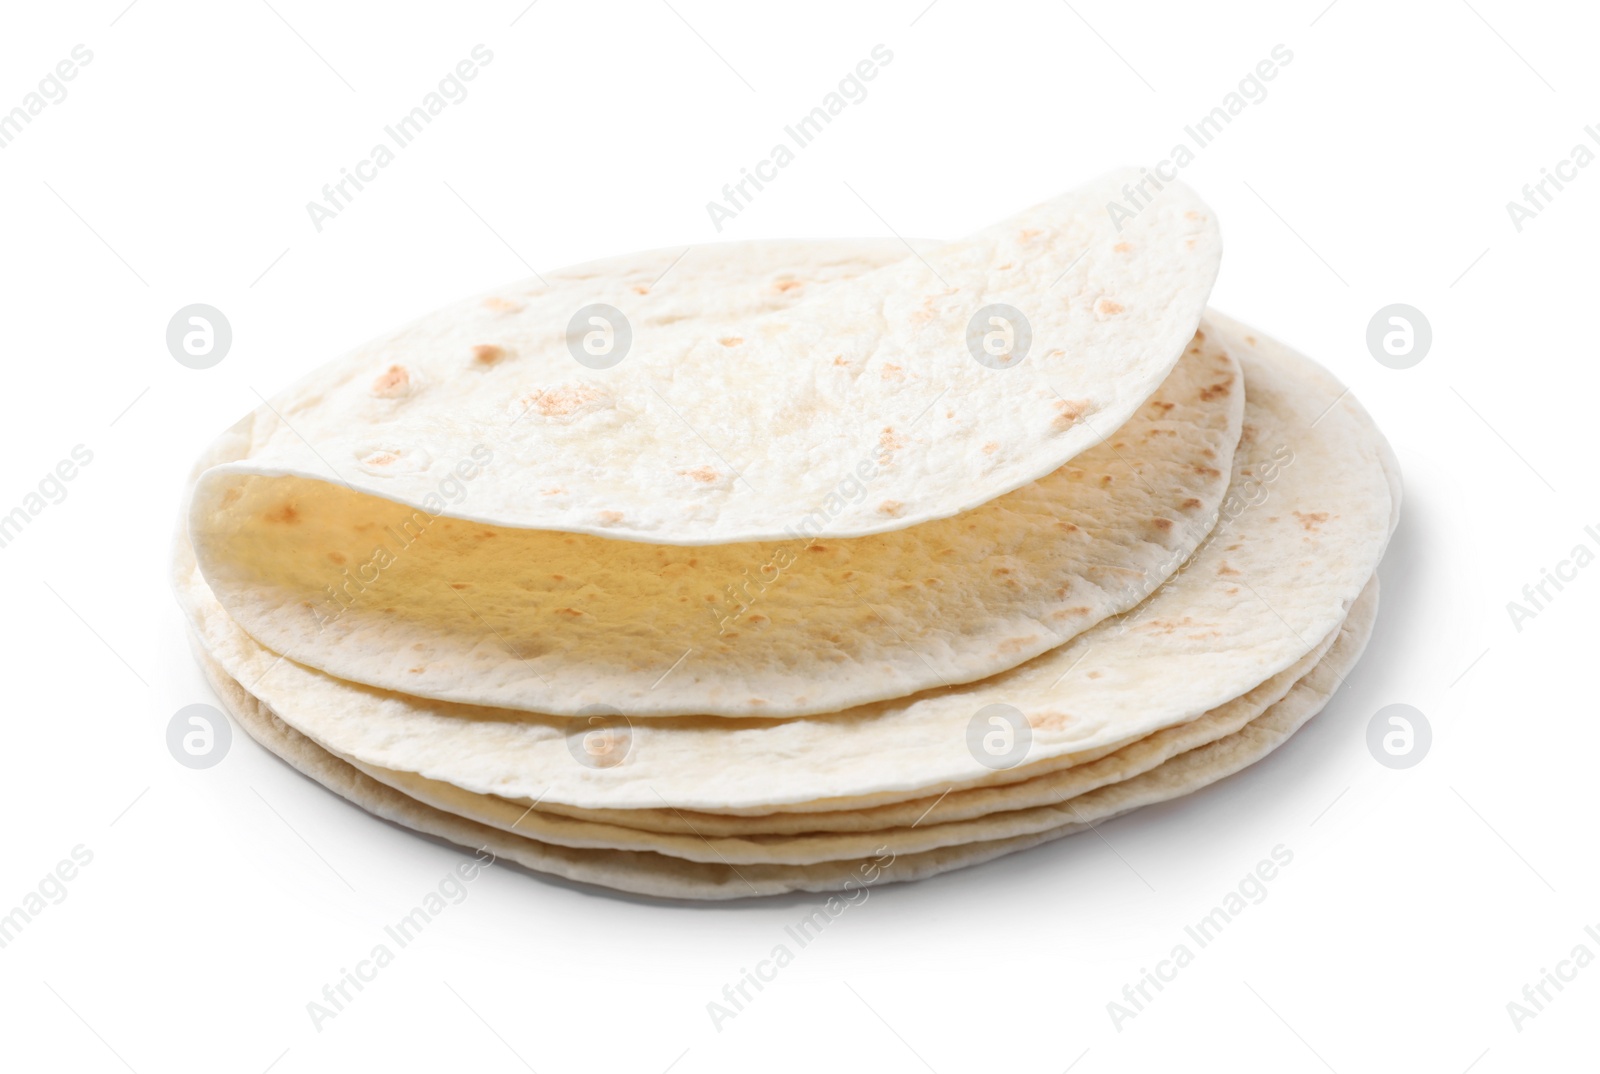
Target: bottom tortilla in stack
(482, 821)
(1212, 672)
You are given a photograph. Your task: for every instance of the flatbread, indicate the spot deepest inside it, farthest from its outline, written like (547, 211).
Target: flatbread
(1068, 796)
(1038, 785)
(378, 593)
(658, 875)
(732, 434)
(1308, 517)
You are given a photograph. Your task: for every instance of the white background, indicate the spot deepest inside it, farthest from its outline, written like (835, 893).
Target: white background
(1377, 170)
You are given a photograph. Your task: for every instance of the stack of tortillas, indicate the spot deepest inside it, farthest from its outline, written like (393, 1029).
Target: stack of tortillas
(786, 566)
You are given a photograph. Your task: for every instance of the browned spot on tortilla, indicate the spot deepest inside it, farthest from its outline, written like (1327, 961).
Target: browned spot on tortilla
(416, 671)
(460, 585)
(337, 557)
(1105, 481)
(891, 372)
(1250, 340)
(610, 518)
(559, 402)
(1094, 674)
(892, 508)
(838, 359)
(701, 473)
(816, 548)
(788, 285)
(1068, 412)
(1217, 390)
(1161, 523)
(502, 305)
(570, 613)
(1051, 721)
(1123, 247)
(1190, 214)
(1027, 234)
(231, 497)
(640, 289)
(1066, 527)
(731, 341)
(1311, 520)
(1014, 645)
(288, 514)
(558, 578)
(488, 353)
(1225, 570)
(1167, 626)
(889, 441)
(1206, 471)
(1190, 504)
(1162, 405)
(1108, 307)
(991, 447)
(392, 383)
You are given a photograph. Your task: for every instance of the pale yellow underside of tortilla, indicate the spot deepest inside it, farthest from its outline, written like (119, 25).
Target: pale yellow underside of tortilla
(1311, 506)
(371, 591)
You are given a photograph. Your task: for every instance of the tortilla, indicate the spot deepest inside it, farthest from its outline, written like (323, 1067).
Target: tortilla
(1067, 796)
(1310, 516)
(1039, 785)
(662, 876)
(378, 593)
(738, 430)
